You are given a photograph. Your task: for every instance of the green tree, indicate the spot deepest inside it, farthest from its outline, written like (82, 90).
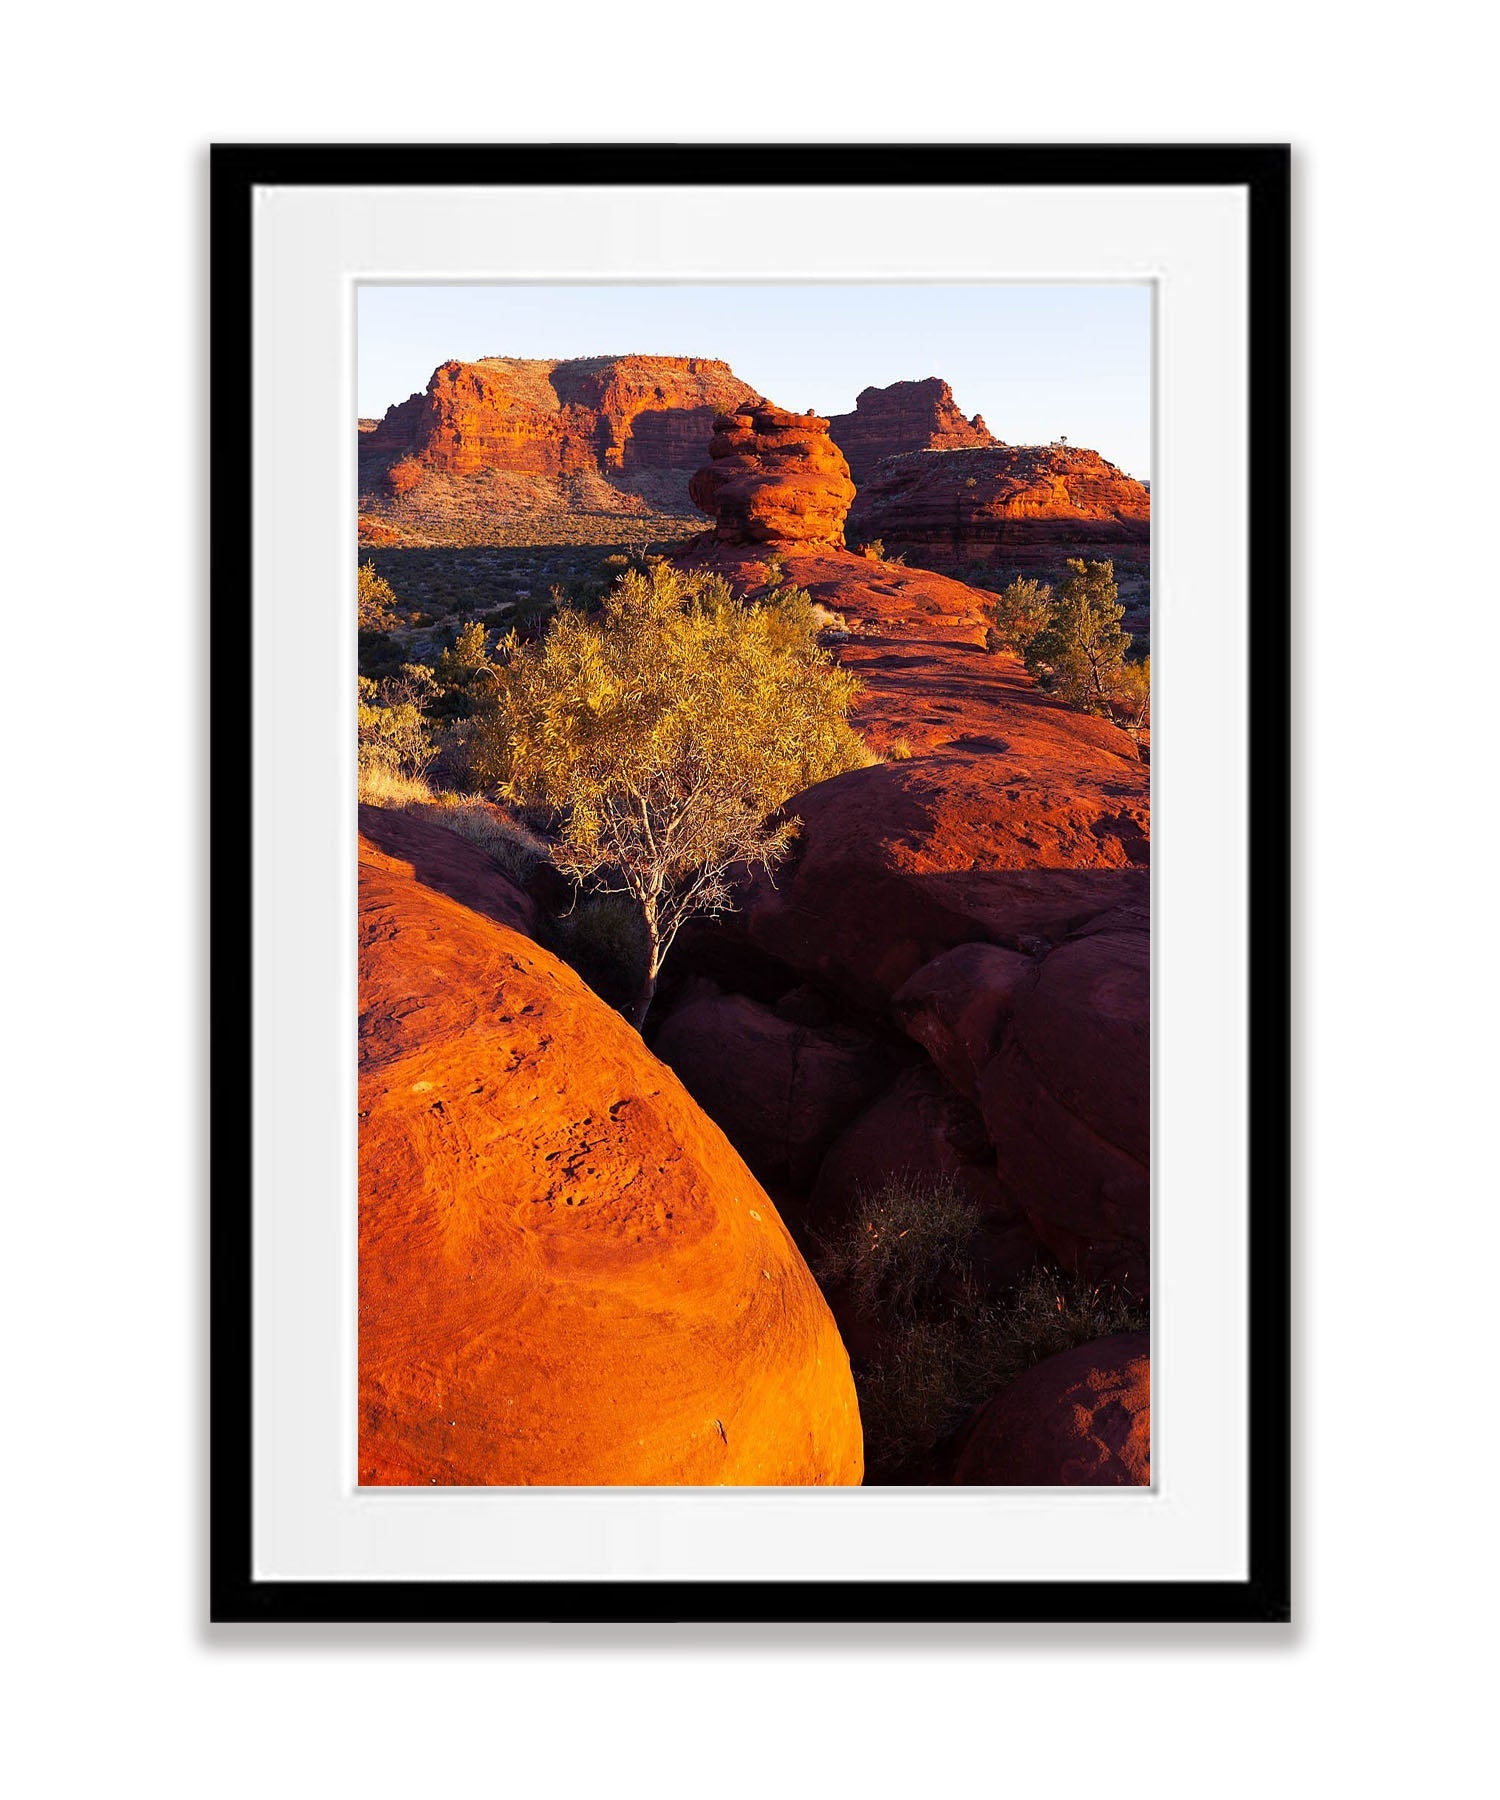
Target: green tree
(1072, 642)
(663, 733)
(1081, 651)
(464, 674)
(1021, 610)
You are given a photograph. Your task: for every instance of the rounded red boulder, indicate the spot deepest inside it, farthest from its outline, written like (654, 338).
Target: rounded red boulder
(566, 1274)
(1081, 1419)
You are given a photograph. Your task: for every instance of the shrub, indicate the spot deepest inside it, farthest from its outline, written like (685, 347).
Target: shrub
(904, 1258)
(381, 784)
(518, 851)
(900, 750)
(1130, 697)
(377, 600)
(901, 1244)
(663, 735)
(604, 939)
(875, 549)
(1072, 642)
(1021, 611)
(826, 623)
(393, 731)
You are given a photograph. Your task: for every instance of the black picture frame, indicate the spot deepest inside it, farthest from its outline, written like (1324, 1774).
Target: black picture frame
(1263, 171)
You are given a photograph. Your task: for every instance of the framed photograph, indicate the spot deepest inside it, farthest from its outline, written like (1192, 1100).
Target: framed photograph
(750, 867)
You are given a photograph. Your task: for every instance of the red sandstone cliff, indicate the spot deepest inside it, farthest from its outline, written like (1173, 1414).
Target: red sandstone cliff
(907, 415)
(606, 414)
(1012, 506)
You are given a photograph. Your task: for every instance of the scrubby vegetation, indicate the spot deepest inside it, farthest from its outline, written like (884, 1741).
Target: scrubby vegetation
(663, 735)
(377, 600)
(905, 1259)
(395, 738)
(652, 732)
(1072, 641)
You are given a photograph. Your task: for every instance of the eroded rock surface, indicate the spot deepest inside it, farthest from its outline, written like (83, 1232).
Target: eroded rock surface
(1008, 507)
(907, 415)
(613, 414)
(567, 1275)
(774, 477)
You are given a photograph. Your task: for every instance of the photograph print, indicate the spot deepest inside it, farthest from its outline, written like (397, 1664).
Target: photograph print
(754, 765)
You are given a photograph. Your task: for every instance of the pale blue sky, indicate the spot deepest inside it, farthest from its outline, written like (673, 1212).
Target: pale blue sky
(1039, 361)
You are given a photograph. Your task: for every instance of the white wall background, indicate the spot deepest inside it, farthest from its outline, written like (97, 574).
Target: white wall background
(116, 1683)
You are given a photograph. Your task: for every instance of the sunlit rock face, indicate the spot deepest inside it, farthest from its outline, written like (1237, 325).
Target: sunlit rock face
(774, 477)
(1012, 506)
(566, 1274)
(606, 414)
(976, 901)
(907, 415)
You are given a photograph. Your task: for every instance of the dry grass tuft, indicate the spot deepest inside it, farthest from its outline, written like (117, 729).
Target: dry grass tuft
(518, 851)
(901, 1243)
(505, 840)
(904, 1258)
(381, 784)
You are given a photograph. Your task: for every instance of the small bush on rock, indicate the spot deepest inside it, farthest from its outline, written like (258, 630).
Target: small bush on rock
(904, 1260)
(1072, 642)
(904, 1243)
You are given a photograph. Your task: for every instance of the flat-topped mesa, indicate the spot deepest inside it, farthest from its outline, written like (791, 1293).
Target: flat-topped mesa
(606, 414)
(774, 477)
(1018, 505)
(907, 415)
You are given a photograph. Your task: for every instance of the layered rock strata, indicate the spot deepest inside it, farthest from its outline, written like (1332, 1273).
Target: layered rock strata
(1008, 507)
(907, 415)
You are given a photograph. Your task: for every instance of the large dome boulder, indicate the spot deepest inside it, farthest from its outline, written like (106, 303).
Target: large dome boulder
(566, 1274)
(1081, 1419)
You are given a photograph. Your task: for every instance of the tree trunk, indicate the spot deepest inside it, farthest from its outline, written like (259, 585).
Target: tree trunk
(642, 1005)
(647, 991)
